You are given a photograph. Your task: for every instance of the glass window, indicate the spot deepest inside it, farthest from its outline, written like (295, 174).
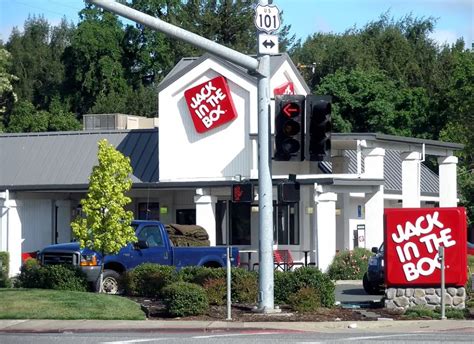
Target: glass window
(152, 235)
(240, 223)
(186, 216)
(149, 211)
(286, 224)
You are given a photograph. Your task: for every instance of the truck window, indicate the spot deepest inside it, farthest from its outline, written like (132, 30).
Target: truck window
(152, 235)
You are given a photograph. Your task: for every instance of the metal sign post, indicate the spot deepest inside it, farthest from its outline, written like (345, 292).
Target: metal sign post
(442, 259)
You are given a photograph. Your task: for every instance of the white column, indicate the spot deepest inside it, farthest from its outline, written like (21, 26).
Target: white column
(448, 181)
(411, 179)
(325, 236)
(374, 224)
(10, 233)
(347, 236)
(206, 213)
(373, 162)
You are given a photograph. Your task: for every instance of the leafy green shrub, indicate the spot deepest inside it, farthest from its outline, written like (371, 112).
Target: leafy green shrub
(188, 273)
(5, 282)
(314, 278)
(244, 286)
(183, 299)
(149, 279)
(306, 299)
(58, 277)
(349, 265)
(216, 290)
(284, 286)
(202, 274)
(63, 277)
(30, 275)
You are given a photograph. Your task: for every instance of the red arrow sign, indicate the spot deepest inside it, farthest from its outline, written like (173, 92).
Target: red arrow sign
(291, 110)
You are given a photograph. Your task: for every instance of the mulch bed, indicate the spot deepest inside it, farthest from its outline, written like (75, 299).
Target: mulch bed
(155, 310)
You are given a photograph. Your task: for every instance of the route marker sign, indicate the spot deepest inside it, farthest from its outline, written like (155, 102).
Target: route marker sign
(267, 18)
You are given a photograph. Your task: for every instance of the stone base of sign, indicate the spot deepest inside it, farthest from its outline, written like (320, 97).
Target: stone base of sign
(403, 298)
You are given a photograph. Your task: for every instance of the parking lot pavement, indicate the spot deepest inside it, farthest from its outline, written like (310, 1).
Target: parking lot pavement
(352, 293)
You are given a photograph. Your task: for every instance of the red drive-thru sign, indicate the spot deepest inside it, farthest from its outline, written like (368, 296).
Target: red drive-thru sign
(286, 88)
(210, 104)
(412, 240)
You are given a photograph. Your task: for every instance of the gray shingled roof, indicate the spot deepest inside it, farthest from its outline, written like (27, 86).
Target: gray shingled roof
(392, 172)
(65, 159)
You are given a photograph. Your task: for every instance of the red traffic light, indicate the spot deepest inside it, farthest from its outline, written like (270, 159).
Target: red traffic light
(291, 110)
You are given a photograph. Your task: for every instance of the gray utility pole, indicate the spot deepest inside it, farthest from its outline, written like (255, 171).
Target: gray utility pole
(261, 68)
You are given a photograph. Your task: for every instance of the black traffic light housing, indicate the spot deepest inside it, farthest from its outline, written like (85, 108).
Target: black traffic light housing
(289, 128)
(289, 192)
(318, 135)
(242, 192)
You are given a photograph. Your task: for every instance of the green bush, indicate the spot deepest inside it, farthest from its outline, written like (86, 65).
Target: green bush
(284, 286)
(244, 286)
(199, 275)
(216, 290)
(184, 299)
(349, 265)
(58, 277)
(63, 277)
(5, 281)
(306, 299)
(30, 275)
(314, 278)
(149, 279)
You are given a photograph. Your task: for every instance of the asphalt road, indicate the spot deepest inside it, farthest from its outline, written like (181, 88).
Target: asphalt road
(254, 336)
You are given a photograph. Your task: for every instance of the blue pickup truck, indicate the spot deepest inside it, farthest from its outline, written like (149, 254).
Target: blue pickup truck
(153, 246)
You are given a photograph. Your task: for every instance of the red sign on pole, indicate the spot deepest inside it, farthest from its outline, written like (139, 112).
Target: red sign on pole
(287, 88)
(412, 240)
(210, 104)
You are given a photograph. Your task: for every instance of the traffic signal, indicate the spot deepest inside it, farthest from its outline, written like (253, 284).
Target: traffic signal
(289, 192)
(318, 135)
(289, 128)
(242, 192)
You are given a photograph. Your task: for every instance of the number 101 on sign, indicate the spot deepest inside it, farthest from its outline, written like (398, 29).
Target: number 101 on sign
(267, 18)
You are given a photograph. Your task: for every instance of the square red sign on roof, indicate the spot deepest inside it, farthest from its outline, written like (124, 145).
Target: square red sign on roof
(412, 240)
(210, 104)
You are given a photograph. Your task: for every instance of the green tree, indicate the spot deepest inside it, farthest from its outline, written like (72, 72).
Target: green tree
(106, 225)
(7, 96)
(93, 60)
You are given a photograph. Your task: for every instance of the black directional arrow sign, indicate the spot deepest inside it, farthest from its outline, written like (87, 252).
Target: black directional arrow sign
(267, 44)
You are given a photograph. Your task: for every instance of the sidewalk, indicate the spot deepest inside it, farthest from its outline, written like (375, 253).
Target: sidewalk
(60, 326)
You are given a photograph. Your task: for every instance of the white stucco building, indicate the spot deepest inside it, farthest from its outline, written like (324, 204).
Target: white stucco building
(185, 176)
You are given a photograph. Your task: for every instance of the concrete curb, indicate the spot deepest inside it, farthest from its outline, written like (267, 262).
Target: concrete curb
(82, 326)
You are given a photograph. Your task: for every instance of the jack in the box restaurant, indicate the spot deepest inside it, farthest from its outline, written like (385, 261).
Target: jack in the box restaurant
(199, 165)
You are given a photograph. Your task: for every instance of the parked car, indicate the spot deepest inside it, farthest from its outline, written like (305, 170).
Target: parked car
(470, 249)
(374, 278)
(153, 246)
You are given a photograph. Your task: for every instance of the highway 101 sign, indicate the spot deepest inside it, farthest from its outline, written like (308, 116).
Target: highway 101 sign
(267, 18)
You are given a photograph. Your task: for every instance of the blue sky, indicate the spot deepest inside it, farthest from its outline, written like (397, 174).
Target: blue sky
(455, 17)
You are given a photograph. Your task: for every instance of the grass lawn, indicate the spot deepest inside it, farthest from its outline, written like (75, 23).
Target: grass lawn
(56, 304)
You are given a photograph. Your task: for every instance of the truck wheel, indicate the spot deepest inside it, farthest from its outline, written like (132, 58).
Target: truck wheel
(110, 283)
(368, 287)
